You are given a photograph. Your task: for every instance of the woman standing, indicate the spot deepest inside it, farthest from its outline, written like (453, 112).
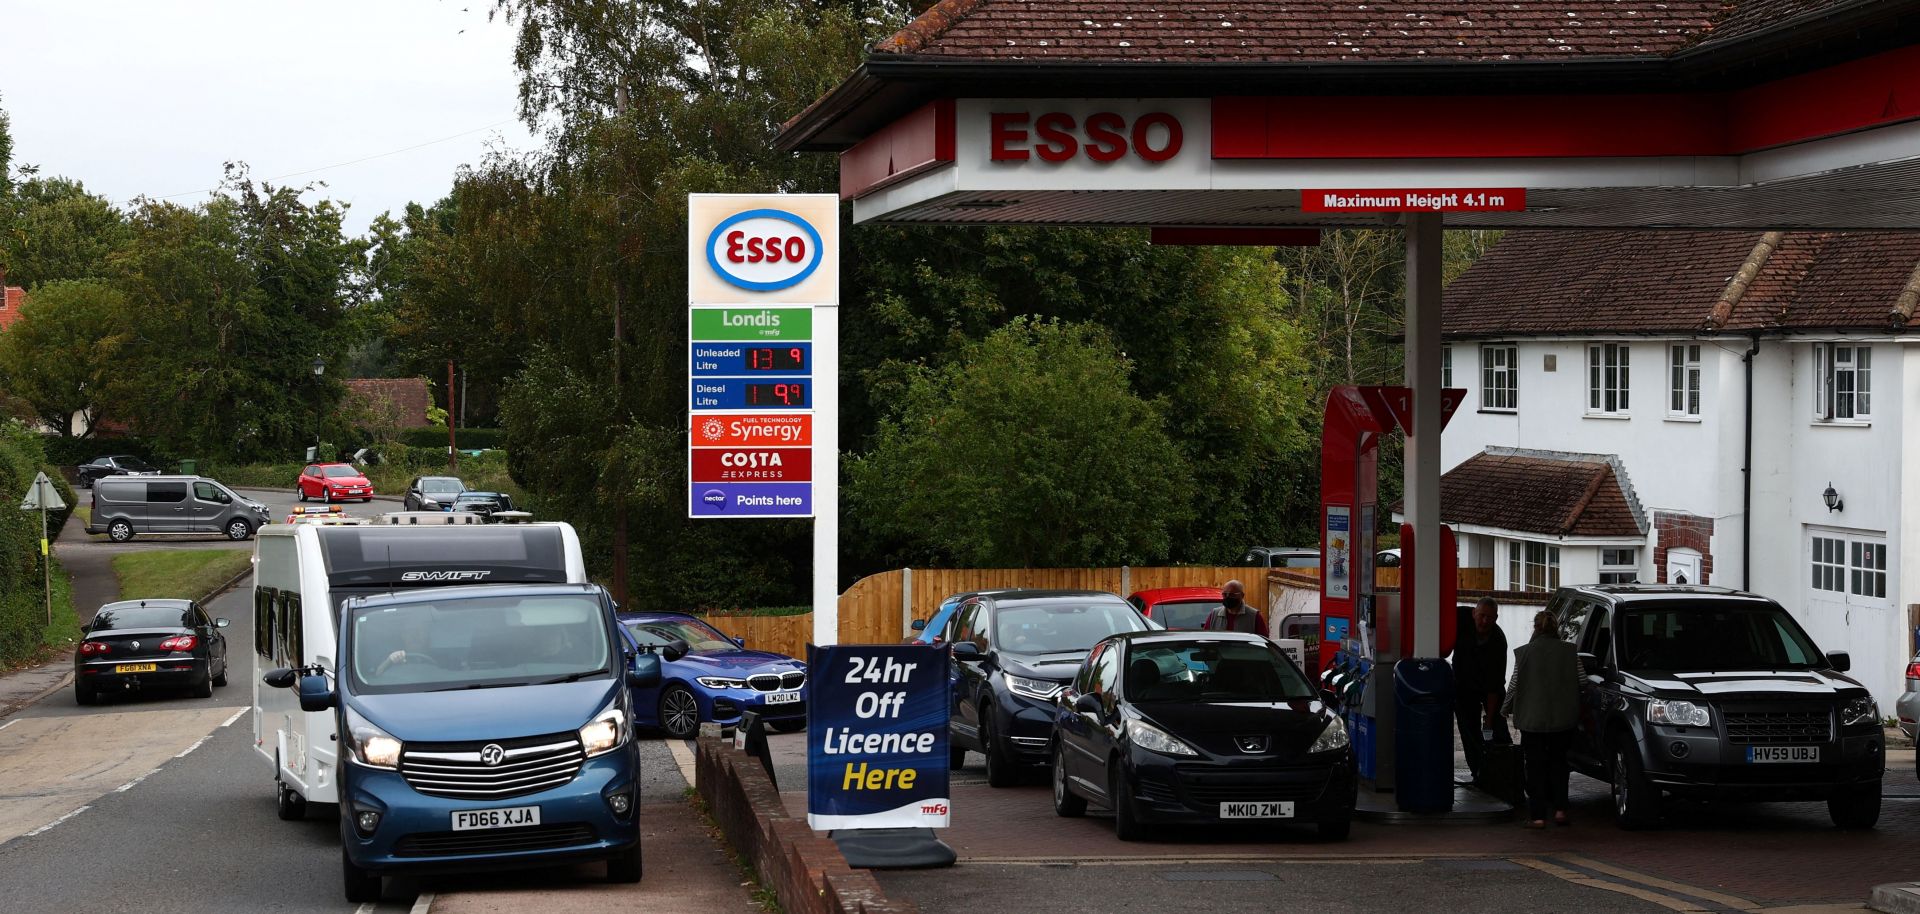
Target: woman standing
(1544, 701)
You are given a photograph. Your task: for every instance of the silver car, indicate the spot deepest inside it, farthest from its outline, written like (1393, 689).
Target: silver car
(1908, 707)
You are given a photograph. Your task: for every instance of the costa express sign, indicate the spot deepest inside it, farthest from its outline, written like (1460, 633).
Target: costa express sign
(752, 465)
(1055, 136)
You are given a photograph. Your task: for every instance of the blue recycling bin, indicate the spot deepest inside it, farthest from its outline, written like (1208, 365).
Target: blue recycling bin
(1423, 735)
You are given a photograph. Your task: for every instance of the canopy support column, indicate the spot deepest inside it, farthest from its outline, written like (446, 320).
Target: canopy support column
(1422, 462)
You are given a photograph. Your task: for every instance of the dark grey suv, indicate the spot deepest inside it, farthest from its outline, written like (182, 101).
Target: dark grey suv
(1716, 693)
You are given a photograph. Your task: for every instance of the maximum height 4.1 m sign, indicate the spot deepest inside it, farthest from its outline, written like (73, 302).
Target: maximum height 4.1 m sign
(758, 267)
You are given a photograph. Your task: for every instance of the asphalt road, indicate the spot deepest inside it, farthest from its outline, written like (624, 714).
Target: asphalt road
(159, 804)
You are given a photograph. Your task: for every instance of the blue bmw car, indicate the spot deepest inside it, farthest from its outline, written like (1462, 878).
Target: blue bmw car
(717, 679)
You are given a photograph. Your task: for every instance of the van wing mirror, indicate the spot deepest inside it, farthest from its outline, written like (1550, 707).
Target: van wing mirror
(644, 671)
(315, 694)
(1841, 661)
(280, 679)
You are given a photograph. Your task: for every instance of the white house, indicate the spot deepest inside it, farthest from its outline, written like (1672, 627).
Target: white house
(1754, 397)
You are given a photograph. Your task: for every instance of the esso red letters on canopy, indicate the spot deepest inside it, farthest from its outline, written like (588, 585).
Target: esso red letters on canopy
(745, 248)
(1016, 136)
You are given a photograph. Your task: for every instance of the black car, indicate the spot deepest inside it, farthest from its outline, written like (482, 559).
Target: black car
(485, 504)
(433, 493)
(114, 465)
(1199, 728)
(143, 644)
(1715, 693)
(1013, 651)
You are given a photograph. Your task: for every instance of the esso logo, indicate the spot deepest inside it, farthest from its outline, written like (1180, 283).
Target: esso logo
(1103, 137)
(763, 250)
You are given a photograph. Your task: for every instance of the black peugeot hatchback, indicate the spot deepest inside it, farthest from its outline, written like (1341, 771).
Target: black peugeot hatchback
(1199, 728)
(141, 644)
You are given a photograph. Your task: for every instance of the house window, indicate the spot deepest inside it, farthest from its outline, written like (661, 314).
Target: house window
(1684, 395)
(1619, 566)
(1500, 377)
(1852, 565)
(1533, 567)
(1446, 366)
(1842, 382)
(1607, 379)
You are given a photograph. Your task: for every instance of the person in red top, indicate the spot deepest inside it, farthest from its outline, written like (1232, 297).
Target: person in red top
(1233, 614)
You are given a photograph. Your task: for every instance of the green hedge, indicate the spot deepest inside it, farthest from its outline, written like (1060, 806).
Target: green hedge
(25, 632)
(468, 439)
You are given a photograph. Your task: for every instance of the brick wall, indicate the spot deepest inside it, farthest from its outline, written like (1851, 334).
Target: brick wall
(1682, 531)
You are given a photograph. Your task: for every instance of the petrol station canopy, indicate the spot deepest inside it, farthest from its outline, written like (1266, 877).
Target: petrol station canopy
(1768, 114)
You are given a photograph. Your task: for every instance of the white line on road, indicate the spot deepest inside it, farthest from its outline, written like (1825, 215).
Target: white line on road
(123, 788)
(196, 745)
(236, 716)
(58, 821)
(422, 904)
(9, 723)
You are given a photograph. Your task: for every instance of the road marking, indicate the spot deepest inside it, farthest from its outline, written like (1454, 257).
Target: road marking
(422, 904)
(9, 723)
(51, 766)
(1720, 898)
(1164, 860)
(682, 758)
(196, 745)
(58, 821)
(1581, 879)
(236, 716)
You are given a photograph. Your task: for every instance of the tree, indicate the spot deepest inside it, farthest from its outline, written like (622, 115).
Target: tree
(1029, 450)
(57, 230)
(60, 356)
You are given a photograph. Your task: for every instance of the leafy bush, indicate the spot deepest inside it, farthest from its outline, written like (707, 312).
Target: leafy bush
(24, 629)
(469, 439)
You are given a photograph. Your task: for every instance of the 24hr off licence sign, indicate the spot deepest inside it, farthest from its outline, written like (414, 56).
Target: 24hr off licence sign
(877, 736)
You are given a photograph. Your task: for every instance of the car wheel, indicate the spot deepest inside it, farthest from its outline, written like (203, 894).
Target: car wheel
(956, 754)
(679, 712)
(1126, 823)
(238, 530)
(120, 531)
(1066, 803)
(326, 496)
(84, 694)
(292, 806)
(205, 688)
(1636, 802)
(1001, 771)
(625, 867)
(361, 886)
(300, 493)
(791, 725)
(221, 680)
(1335, 828)
(86, 482)
(1856, 808)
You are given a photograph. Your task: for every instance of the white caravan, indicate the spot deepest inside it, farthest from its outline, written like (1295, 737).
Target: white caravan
(303, 572)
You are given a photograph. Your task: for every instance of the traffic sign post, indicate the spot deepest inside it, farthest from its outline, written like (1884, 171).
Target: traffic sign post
(43, 497)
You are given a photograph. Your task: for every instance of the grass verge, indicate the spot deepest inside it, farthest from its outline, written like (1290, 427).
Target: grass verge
(763, 894)
(186, 574)
(53, 636)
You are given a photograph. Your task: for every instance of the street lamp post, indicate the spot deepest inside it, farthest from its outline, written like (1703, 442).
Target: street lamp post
(319, 369)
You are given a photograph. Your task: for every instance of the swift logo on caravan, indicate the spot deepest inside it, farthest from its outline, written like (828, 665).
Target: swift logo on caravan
(764, 250)
(445, 575)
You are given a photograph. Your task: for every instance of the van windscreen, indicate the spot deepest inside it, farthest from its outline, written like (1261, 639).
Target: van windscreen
(439, 555)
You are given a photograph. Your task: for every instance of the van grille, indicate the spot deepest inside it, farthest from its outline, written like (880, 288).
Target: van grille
(773, 682)
(500, 841)
(527, 765)
(1763, 728)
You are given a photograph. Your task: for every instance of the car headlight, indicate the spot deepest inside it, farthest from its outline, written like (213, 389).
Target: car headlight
(1331, 738)
(369, 745)
(429, 503)
(1042, 689)
(1678, 714)
(1862, 710)
(721, 682)
(607, 730)
(1154, 739)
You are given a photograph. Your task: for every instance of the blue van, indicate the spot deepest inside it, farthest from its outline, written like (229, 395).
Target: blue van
(482, 727)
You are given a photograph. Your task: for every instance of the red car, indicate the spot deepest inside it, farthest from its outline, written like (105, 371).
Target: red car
(333, 482)
(1178, 608)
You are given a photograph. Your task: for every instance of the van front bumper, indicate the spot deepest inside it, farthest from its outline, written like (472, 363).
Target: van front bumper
(415, 832)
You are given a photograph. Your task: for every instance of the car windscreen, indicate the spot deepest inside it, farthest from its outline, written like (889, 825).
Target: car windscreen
(139, 617)
(1212, 672)
(1706, 637)
(1184, 615)
(662, 632)
(477, 642)
(133, 463)
(1067, 625)
(441, 486)
(339, 472)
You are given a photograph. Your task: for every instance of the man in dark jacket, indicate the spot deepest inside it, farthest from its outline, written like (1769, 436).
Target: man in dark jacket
(1479, 682)
(1234, 615)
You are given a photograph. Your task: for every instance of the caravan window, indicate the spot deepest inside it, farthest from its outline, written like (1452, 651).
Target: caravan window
(417, 556)
(477, 642)
(263, 601)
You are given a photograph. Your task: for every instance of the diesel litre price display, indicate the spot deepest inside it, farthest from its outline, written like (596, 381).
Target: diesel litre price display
(790, 395)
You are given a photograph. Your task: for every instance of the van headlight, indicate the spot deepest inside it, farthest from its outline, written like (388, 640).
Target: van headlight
(1332, 738)
(1862, 710)
(1154, 739)
(1678, 714)
(607, 730)
(369, 745)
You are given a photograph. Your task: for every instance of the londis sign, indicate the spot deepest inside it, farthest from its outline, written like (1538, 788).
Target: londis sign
(762, 249)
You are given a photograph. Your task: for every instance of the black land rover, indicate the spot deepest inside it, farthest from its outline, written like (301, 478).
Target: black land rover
(1716, 693)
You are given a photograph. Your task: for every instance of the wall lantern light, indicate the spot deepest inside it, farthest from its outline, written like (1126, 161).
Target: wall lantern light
(1832, 499)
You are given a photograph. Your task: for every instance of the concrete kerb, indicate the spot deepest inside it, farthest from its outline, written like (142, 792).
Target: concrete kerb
(1896, 898)
(805, 870)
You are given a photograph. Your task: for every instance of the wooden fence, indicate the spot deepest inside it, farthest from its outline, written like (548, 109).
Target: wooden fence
(880, 608)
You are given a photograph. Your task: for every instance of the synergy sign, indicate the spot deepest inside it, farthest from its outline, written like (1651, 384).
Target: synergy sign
(757, 267)
(877, 736)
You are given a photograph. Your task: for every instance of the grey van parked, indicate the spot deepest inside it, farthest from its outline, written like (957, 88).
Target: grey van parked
(126, 505)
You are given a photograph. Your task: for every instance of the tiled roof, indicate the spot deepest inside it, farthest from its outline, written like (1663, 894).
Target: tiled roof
(1749, 16)
(1278, 30)
(1543, 283)
(1564, 494)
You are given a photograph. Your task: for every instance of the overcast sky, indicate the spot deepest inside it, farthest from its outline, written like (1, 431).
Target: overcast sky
(141, 97)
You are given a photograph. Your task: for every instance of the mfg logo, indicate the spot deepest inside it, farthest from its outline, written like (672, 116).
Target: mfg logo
(933, 809)
(764, 250)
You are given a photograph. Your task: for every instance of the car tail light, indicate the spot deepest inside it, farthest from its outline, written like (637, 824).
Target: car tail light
(89, 648)
(1913, 670)
(179, 643)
